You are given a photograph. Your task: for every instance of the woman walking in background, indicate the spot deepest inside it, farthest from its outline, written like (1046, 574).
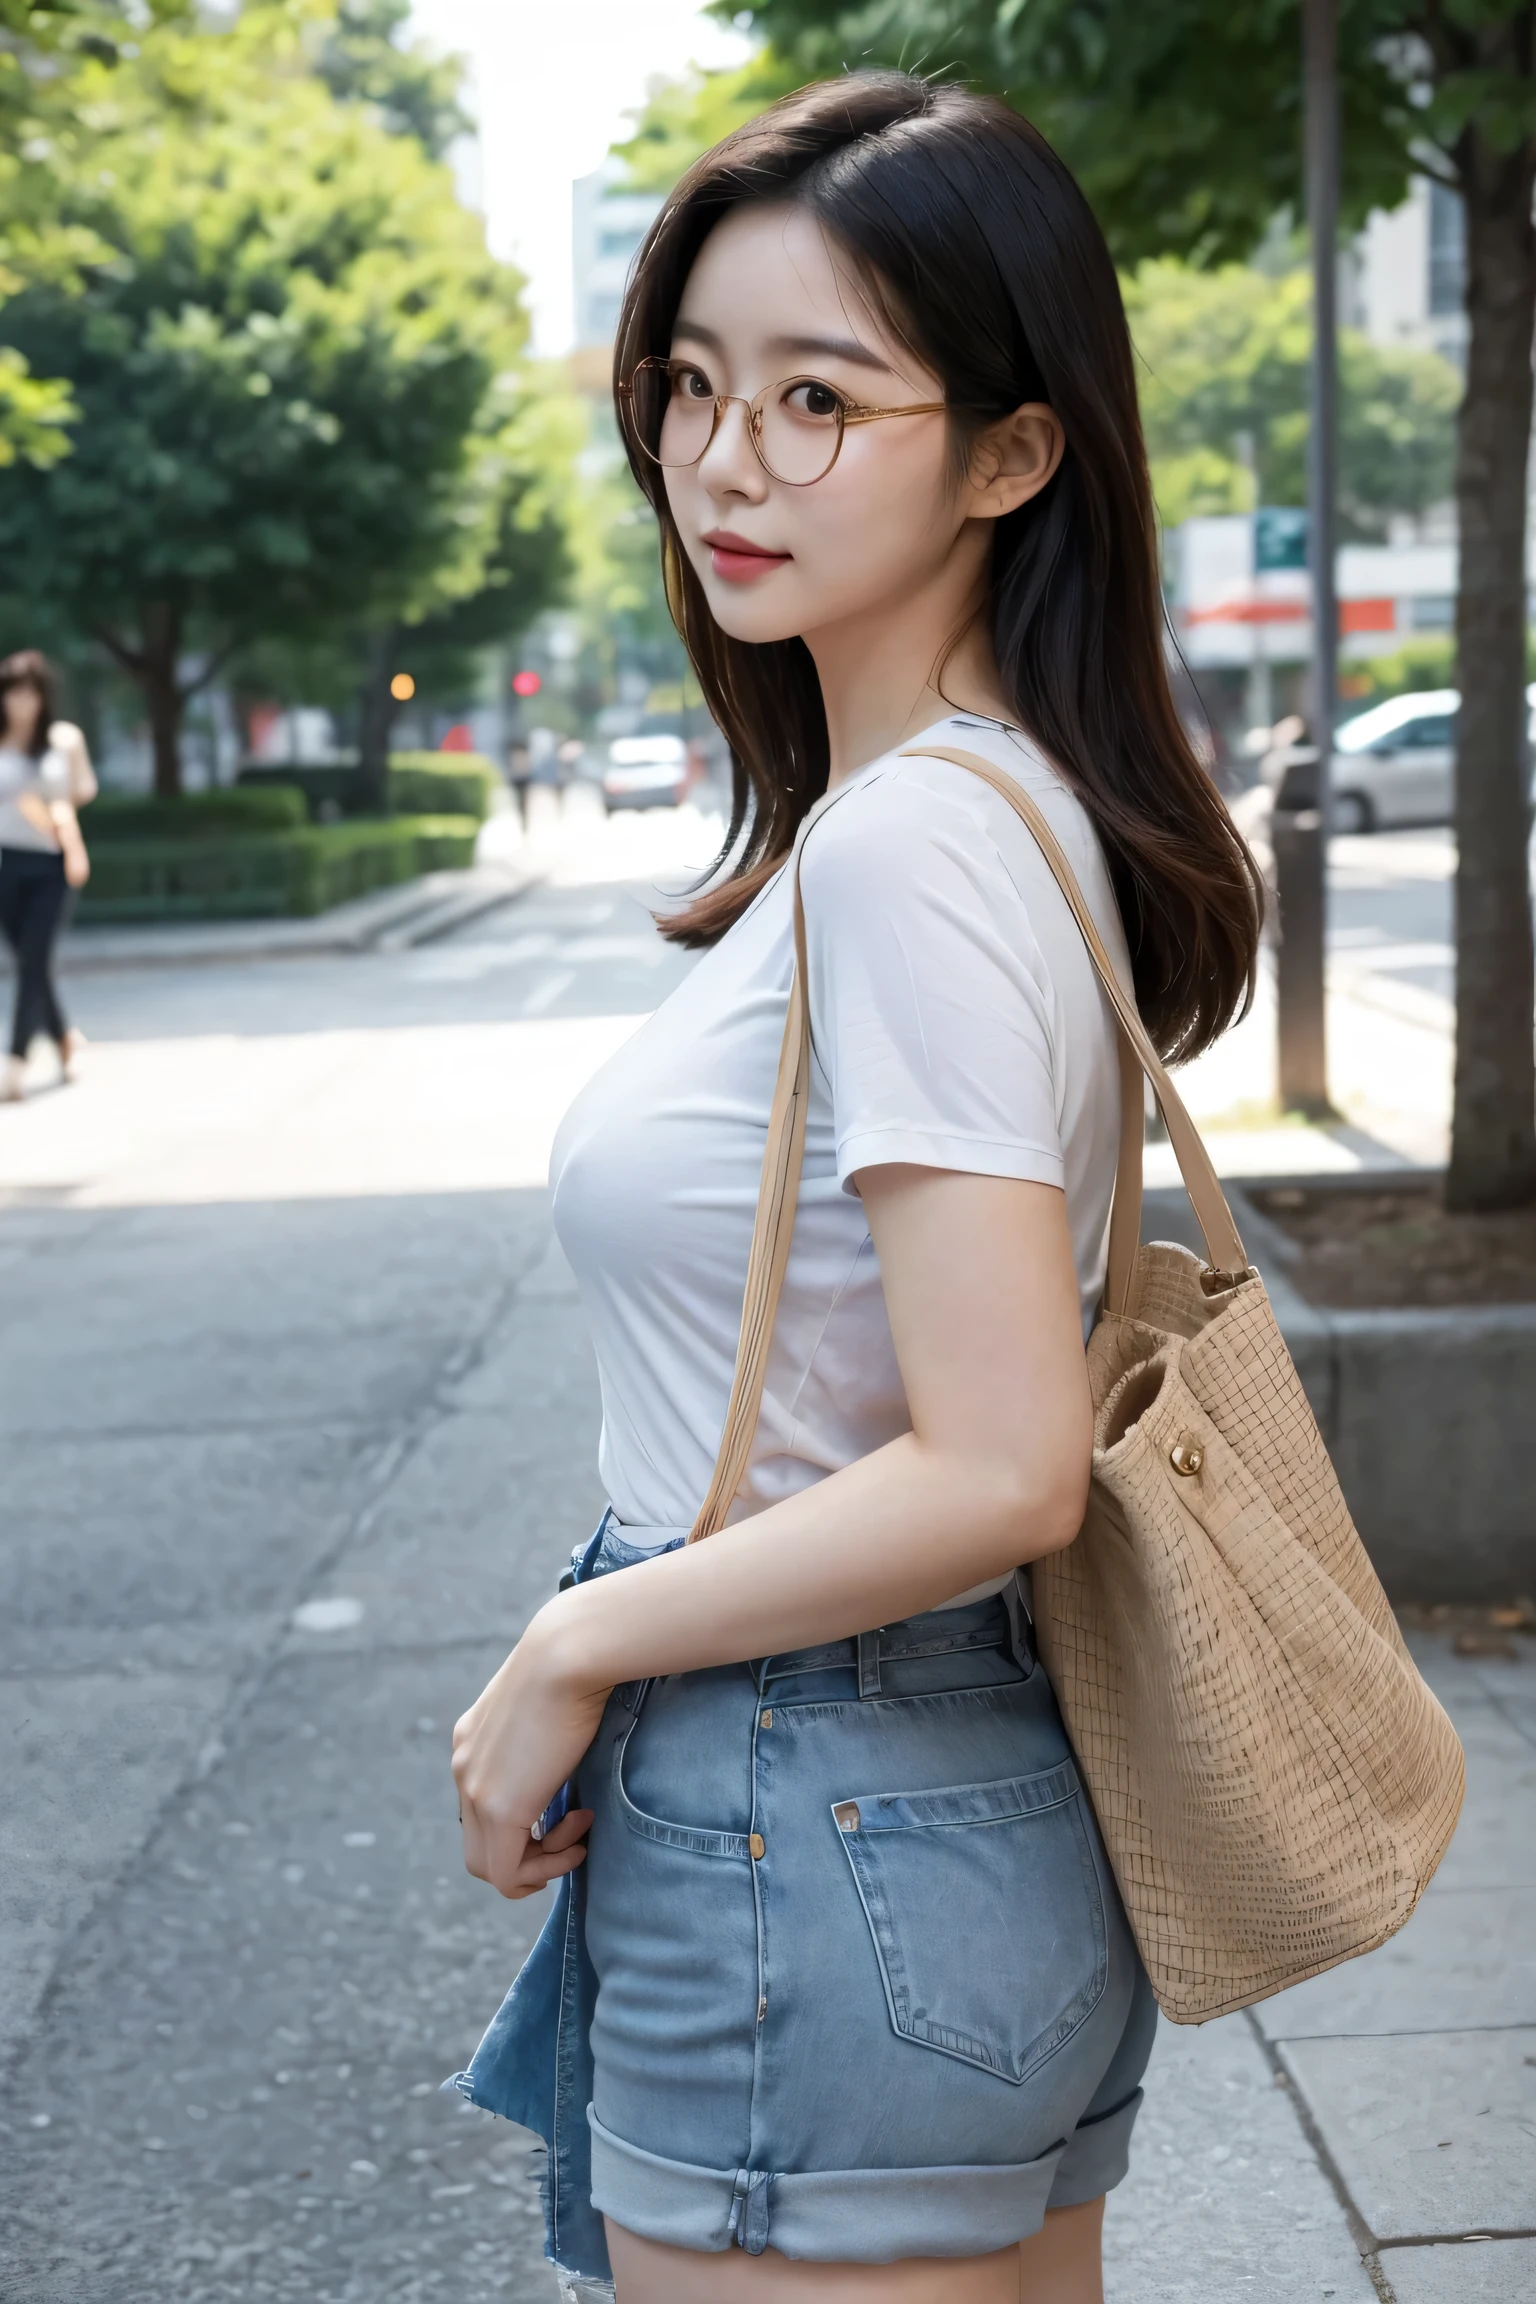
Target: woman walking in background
(45, 776)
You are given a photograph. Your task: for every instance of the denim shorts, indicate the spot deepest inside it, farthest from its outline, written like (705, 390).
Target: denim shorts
(865, 1986)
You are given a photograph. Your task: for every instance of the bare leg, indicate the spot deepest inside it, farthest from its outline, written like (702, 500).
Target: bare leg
(1059, 2265)
(1063, 2263)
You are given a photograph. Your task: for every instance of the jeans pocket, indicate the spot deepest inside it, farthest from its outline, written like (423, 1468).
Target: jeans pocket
(986, 1911)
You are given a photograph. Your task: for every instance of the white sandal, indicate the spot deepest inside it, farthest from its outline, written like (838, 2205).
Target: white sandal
(13, 1081)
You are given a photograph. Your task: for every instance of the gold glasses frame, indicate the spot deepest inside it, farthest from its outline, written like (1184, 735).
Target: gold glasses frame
(849, 412)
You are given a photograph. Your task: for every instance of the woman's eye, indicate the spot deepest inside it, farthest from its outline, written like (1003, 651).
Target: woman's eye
(693, 385)
(811, 399)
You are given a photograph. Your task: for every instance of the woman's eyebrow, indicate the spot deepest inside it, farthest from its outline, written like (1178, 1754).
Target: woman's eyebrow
(833, 347)
(793, 347)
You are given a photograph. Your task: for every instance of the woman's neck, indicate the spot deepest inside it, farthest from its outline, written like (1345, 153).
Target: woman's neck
(886, 677)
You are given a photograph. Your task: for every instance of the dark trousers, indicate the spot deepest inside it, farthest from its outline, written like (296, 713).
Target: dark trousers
(34, 900)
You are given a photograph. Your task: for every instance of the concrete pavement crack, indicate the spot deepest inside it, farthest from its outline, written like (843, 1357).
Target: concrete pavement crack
(1360, 2232)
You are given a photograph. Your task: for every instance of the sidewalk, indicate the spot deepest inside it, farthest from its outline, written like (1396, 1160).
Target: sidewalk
(1370, 2135)
(284, 1325)
(390, 920)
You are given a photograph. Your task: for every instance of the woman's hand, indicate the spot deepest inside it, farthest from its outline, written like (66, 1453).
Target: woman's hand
(520, 1740)
(66, 830)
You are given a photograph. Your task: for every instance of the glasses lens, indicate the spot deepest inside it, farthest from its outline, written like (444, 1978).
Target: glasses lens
(801, 430)
(674, 410)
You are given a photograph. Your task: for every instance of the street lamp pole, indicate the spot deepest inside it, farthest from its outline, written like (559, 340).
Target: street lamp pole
(1300, 828)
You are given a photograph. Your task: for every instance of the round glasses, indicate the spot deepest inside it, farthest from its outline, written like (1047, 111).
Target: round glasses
(796, 427)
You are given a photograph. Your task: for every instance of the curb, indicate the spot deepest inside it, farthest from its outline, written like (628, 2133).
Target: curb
(392, 920)
(1427, 1414)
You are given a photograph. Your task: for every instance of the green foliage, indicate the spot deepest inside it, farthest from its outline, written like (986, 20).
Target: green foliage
(35, 414)
(42, 48)
(442, 784)
(267, 875)
(1224, 354)
(281, 334)
(420, 784)
(221, 815)
(1182, 121)
(684, 117)
(411, 91)
(1428, 662)
(517, 506)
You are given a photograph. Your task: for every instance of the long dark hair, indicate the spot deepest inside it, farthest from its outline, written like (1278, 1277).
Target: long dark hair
(978, 246)
(30, 668)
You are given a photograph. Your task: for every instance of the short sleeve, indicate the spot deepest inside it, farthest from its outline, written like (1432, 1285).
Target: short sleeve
(932, 1015)
(79, 776)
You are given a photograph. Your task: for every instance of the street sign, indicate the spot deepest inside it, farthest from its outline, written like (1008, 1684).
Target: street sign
(1279, 538)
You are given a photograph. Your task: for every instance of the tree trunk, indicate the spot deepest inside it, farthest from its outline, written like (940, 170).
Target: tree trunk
(376, 714)
(160, 629)
(1493, 1126)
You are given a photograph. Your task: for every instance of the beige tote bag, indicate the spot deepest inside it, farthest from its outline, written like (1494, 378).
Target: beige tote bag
(1274, 1781)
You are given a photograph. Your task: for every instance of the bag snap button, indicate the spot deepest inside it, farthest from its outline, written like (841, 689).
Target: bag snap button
(1186, 1455)
(758, 1845)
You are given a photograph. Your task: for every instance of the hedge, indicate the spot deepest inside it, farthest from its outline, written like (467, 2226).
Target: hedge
(1426, 661)
(420, 784)
(222, 815)
(264, 875)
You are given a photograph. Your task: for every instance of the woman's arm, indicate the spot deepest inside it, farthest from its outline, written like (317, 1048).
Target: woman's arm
(983, 1304)
(65, 737)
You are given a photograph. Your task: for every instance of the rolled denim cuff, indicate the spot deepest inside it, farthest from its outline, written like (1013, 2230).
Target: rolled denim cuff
(836, 2216)
(1097, 2155)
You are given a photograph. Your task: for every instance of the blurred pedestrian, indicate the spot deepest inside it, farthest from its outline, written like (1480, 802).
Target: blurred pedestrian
(45, 777)
(544, 772)
(520, 775)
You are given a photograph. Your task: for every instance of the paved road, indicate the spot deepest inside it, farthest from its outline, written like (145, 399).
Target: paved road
(296, 1425)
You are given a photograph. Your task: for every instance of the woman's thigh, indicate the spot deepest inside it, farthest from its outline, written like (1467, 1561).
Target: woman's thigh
(649, 2272)
(1060, 2264)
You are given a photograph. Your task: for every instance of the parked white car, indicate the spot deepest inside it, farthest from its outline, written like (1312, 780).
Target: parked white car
(646, 771)
(1396, 763)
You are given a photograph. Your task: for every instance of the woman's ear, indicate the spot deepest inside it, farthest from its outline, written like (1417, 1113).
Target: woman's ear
(1014, 459)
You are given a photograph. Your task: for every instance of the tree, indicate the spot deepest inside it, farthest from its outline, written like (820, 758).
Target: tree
(280, 335)
(1182, 122)
(41, 47)
(411, 91)
(1223, 362)
(514, 561)
(682, 118)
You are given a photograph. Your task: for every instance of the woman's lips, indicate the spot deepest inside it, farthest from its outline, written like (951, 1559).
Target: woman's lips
(737, 559)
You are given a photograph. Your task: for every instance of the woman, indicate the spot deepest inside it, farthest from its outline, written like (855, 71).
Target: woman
(45, 776)
(875, 376)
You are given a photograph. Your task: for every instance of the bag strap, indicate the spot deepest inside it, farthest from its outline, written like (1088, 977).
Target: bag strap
(1228, 1260)
(785, 1149)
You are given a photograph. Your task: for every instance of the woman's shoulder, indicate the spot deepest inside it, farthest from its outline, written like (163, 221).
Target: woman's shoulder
(64, 736)
(914, 817)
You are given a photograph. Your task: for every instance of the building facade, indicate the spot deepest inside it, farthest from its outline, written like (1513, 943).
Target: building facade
(608, 224)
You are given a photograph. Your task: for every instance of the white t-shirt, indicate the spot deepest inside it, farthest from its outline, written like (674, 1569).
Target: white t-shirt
(51, 777)
(956, 1023)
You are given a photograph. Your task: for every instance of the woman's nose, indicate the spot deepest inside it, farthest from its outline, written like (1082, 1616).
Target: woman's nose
(729, 464)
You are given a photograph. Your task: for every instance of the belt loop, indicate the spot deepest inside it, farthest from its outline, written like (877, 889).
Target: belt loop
(1021, 1630)
(869, 1664)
